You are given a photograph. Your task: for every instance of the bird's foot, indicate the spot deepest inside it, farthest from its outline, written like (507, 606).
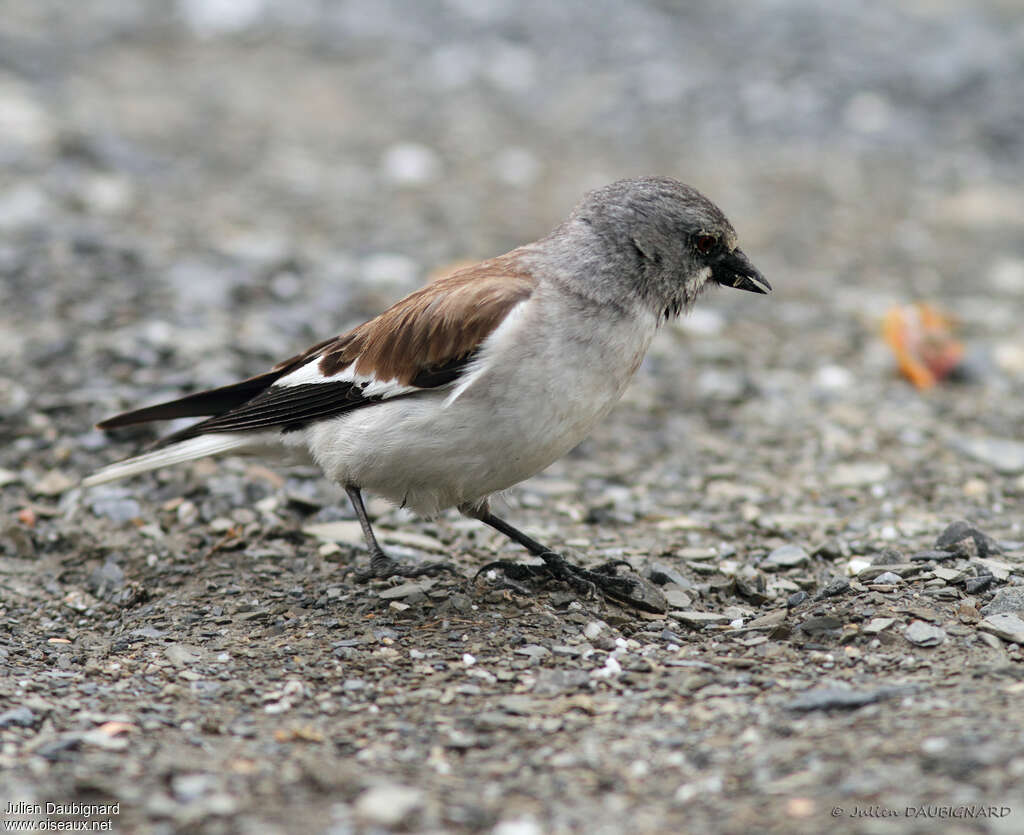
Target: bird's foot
(382, 567)
(603, 580)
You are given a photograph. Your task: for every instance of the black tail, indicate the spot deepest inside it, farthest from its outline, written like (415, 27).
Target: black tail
(202, 403)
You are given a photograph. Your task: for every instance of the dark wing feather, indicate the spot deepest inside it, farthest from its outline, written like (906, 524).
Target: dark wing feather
(214, 401)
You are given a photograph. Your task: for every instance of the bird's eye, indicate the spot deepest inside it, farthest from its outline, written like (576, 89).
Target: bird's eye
(704, 244)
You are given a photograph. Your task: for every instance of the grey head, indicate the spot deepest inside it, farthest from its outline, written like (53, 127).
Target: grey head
(664, 238)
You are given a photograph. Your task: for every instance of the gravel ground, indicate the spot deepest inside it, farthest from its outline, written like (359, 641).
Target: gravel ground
(191, 190)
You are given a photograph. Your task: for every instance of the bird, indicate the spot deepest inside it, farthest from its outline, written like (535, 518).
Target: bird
(482, 377)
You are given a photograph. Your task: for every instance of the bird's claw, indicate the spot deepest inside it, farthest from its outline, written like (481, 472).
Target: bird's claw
(601, 581)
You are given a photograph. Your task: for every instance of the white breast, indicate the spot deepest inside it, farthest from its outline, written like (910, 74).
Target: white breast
(541, 382)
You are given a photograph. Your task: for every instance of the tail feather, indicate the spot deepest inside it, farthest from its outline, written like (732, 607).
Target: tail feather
(189, 450)
(200, 404)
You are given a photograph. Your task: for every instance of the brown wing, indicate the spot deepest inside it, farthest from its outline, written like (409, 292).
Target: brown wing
(440, 323)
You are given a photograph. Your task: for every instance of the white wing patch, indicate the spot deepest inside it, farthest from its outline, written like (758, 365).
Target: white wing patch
(310, 374)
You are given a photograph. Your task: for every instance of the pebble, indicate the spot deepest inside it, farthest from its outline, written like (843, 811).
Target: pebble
(796, 598)
(410, 163)
(966, 540)
(20, 717)
(923, 634)
(1007, 626)
(1010, 599)
(517, 826)
(52, 484)
(678, 599)
(978, 584)
(888, 578)
(786, 556)
(182, 654)
(859, 474)
(345, 532)
(1003, 455)
(827, 698)
(411, 590)
(117, 509)
(948, 575)
(389, 804)
(698, 619)
(534, 651)
(876, 625)
(835, 588)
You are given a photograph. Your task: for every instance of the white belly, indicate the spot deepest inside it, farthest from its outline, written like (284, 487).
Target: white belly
(527, 404)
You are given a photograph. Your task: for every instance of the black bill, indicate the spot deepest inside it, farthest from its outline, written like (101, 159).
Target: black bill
(735, 270)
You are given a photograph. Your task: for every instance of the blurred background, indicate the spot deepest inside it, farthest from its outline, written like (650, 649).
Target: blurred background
(294, 150)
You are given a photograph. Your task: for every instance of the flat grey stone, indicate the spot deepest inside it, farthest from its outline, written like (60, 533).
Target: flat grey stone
(827, 698)
(786, 556)
(1001, 454)
(923, 634)
(1009, 599)
(1007, 626)
(698, 619)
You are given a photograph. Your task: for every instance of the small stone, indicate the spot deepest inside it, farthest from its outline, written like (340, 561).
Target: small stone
(52, 484)
(347, 533)
(182, 654)
(534, 651)
(1010, 599)
(859, 474)
(20, 717)
(555, 682)
(796, 598)
(888, 556)
(827, 698)
(1007, 626)
(1003, 455)
(678, 599)
(517, 826)
(388, 805)
(410, 163)
(949, 575)
(661, 574)
(594, 629)
(934, 555)
(821, 623)
(769, 620)
(407, 590)
(997, 568)
(117, 509)
(106, 578)
(876, 625)
(835, 588)
(888, 578)
(924, 634)
(786, 556)
(698, 619)
(966, 540)
(978, 584)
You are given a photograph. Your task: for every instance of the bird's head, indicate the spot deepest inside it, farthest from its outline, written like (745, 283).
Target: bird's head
(668, 239)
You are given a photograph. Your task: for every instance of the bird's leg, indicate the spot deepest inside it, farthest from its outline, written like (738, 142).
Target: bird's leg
(381, 565)
(632, 592)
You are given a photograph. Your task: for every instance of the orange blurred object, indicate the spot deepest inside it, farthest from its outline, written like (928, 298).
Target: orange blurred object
(921, 336)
